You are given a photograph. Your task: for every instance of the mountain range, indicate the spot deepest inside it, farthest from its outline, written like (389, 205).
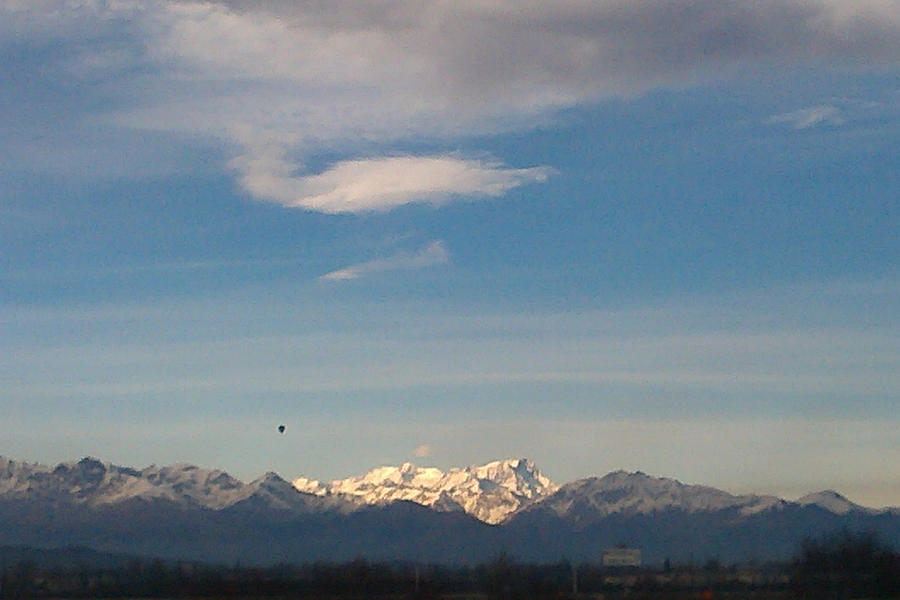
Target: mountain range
(461, 515)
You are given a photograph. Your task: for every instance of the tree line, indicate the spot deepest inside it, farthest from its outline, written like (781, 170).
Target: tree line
(842, 567)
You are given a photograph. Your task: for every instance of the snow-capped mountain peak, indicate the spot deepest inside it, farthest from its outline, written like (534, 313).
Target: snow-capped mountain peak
(489, 492)
(96, 483)
(638, 493)
(518, 475)
(833, 502)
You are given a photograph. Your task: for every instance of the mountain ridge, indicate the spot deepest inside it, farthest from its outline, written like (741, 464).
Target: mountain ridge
(491, 492)
(186, 512)
(622, 492)
(92, 482)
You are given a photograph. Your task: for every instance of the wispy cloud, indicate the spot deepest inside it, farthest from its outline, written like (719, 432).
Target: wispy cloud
(381, 183)
(774, 351)
(433, 254)
(806, 118)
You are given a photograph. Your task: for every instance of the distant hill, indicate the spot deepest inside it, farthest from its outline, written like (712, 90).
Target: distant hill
(68, 557)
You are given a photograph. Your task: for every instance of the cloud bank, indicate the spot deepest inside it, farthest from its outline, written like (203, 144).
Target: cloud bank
(279, 81)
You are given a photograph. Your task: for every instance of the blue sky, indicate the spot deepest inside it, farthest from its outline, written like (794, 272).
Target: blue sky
(628, 234)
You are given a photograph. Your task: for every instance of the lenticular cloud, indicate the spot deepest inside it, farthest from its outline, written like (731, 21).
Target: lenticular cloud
(382, 183)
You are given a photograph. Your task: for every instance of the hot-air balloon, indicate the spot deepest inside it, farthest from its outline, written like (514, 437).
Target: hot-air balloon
(281, 429)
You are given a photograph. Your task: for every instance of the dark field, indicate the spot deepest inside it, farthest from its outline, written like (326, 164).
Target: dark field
(360, 579)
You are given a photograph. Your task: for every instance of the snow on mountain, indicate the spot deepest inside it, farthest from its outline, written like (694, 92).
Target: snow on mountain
(834, 502)
(488, 492)
(626, 493)
(96, 483)
(491, 492)
(272, 492)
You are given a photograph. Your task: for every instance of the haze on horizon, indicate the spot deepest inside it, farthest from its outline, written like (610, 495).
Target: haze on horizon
(656, 236)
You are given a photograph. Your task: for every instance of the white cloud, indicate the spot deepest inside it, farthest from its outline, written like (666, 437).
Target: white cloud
(280, 80)
(806, 118)
(433, 254)
(423, 451)
(380, 183)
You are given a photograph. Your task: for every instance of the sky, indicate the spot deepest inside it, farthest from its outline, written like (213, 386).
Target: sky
(617, 234)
